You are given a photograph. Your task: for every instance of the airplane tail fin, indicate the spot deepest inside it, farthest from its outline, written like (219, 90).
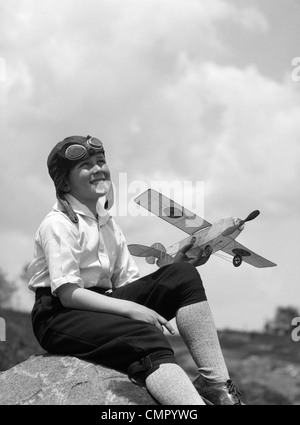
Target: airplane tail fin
(164, 258)
(151, 254)
(158, 246)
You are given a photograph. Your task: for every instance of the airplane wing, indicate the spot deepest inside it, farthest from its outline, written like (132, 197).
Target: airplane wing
(171, 212)
(249, 257)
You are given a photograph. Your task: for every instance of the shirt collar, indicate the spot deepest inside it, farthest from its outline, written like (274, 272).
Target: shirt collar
(79, 208)
(103, 214)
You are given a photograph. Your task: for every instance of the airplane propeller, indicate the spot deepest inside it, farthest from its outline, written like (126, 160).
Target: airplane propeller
(232, 229)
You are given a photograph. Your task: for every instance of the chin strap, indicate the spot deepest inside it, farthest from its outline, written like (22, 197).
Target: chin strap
(68, 210)
(109, 197)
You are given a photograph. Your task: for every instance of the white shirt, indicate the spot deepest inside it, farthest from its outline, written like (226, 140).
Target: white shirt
(91, 253)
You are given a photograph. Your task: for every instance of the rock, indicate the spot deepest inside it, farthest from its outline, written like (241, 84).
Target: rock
(64, 380)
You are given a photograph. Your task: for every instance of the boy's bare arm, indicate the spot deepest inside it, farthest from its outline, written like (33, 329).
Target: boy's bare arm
(72, 296)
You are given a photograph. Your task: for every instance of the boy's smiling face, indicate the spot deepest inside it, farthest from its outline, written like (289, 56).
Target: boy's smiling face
(89, 180)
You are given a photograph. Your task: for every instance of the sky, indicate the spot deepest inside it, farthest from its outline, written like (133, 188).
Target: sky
(200, 95)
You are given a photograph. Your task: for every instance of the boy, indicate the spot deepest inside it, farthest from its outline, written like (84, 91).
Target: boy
(91, 302)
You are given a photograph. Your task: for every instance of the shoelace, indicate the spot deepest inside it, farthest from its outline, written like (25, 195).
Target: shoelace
(233, 389)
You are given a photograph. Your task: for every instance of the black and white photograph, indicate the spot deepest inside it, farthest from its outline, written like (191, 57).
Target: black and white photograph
(150, 210)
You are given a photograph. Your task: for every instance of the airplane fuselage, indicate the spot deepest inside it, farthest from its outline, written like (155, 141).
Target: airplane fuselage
(211, 237)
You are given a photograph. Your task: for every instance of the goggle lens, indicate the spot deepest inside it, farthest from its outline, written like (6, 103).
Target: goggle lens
(74, 152)
(95, 143)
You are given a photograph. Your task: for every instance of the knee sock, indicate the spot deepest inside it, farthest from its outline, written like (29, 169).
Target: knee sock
(169, 384)
(197, 329)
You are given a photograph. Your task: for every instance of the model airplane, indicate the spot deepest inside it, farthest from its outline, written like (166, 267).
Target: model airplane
(210, 238)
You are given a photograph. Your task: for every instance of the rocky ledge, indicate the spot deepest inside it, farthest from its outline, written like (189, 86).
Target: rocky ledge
(64, 380)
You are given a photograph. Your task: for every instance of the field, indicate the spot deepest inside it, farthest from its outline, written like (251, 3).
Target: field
(265, 367)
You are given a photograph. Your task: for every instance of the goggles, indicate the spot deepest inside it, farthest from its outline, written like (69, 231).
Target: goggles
(77, 151)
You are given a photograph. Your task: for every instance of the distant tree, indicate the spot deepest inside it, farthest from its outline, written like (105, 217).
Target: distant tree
(6, 289)
(282, 322)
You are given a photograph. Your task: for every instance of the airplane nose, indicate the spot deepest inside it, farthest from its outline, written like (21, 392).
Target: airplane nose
(239, 224)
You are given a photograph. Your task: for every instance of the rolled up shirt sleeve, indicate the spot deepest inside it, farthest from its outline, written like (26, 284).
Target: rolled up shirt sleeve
(59, 241)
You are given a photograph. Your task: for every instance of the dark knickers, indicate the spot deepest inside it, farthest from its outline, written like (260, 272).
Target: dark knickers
(131, 346)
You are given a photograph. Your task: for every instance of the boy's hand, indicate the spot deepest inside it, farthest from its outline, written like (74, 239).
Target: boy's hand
(140, 312)
(197, 261)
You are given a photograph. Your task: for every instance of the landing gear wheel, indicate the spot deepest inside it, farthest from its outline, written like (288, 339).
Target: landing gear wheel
(207, 251)
(237, 260)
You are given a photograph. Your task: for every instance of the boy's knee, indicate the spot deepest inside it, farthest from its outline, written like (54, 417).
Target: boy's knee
(183, 266)
(186, 276)
(182, 285)
(185, 271)
(141, 369)
(189, 285)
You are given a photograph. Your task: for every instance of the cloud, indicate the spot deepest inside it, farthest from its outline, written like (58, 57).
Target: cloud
(107, 47)
(239, 129)
(110, 68)
(157, 81)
